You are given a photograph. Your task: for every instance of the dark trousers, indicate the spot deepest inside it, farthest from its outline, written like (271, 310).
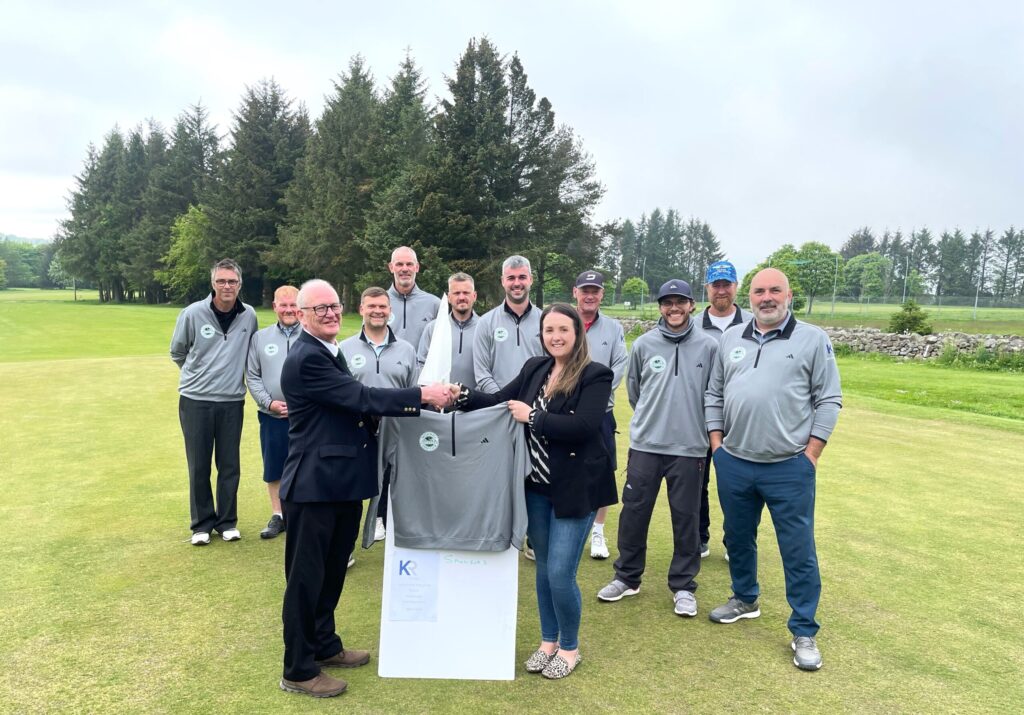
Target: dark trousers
(644, 472)
(705, 509)
(608, 427)
(787, 488)
(212, 430)
(321, 535)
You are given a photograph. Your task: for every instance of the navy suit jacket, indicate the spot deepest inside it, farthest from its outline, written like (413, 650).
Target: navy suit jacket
(332, 453)
(582, 478)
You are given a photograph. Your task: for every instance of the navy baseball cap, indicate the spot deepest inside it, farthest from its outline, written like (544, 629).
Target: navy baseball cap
(590, 278)
(675, 287)
(721, 271)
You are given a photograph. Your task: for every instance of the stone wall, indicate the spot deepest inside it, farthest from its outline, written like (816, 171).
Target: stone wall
(873, 340)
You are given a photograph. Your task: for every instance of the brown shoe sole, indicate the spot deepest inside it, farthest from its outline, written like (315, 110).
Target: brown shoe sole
(329, 664)
(288, 688)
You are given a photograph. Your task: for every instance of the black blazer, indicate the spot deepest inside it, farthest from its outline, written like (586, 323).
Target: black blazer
(582, 477)
(332, 453)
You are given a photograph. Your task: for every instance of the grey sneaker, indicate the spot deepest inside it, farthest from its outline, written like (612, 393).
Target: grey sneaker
(806, 655)
(686, 604)
(705, 550)
(735, 609)
(616, 590)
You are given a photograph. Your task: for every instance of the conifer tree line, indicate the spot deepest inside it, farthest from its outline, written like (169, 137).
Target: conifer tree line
(485, 173)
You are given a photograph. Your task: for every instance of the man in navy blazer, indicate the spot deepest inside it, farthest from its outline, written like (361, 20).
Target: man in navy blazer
(331, 468)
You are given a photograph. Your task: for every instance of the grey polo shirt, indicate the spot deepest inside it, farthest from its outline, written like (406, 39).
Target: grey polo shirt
(212, 362)
(770, 394)
(411, 313)
(267, 351)
(607, 343)
(504, 342)
(463, 334)
(394, 365)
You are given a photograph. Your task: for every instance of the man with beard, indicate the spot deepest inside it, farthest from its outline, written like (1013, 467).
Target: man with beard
(721, 314)
(461, 297)
(267, 351)
(772, 403)
(379, 359)
(607, 346)
(411, 308)
(509, 334)
(666, 379)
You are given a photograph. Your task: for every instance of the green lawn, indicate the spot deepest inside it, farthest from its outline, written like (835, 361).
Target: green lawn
(107, 608)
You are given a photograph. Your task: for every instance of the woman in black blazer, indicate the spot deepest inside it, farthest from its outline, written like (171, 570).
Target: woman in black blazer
(561, 399)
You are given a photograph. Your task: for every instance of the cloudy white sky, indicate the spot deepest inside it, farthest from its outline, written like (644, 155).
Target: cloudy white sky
(775, 122)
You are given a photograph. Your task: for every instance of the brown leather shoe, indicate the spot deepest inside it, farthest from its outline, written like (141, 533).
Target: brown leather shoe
(322, 686)
(346, 659)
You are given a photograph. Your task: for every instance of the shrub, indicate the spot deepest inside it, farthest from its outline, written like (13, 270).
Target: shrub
(910, 319)
(843, 350)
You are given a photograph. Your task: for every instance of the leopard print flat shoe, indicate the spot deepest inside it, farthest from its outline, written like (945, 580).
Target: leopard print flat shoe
(538, 661)
(558, 667)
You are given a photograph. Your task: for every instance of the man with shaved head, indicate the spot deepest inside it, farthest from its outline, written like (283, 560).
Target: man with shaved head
(411, 308)
(771, 405)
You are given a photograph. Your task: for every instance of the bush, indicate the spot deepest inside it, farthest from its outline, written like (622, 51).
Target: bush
(910, 319)
(843, 350)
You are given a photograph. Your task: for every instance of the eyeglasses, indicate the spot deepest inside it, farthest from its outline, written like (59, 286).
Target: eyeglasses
(230, 282)
(321, 310)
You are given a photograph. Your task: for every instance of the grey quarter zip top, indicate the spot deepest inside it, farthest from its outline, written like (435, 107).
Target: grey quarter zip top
(739, 318)
(607, 344)
(463, 335)
(394, 367)
(458, 480)
(267, 351)
(411, 313)
(666, 379)
(212, 363)
(770, 396)
(503, 343)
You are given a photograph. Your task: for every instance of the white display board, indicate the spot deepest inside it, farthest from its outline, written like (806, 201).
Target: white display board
(448, 614)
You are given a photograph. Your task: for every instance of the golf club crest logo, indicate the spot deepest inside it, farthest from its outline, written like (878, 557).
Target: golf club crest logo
(207, 331)
(501, 334)
(271, 349)
(358, 362)
(658, 363)
(737, 354)
(429, 441)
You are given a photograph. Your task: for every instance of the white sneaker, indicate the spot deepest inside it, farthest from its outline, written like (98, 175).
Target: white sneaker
(231, 535)
(379, 532)
(200, 538)
(598, 547)
(351, 561)
(528, 553)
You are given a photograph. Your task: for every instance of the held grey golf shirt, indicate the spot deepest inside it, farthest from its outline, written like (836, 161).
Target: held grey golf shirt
(267, 351)
(666, 379)
(608, 346)
(463, 335)
(771, 395)
(394, 366)
(457, 480)
(503, 343)
(212, 363)
(411, 313)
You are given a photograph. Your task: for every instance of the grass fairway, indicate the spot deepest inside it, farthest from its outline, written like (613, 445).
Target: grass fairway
(107, 608)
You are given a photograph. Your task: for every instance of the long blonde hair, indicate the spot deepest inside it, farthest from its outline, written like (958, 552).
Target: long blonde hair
(578, 359)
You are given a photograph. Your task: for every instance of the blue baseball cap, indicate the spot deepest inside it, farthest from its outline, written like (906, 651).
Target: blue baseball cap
(675, 287)
(721, 271)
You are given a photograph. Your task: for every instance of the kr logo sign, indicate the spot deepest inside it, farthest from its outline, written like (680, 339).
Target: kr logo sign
(407, 568)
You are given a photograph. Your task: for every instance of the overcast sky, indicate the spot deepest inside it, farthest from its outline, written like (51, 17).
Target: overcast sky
(773, 121)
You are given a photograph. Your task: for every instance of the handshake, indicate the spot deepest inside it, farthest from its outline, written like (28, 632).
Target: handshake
(440, 395)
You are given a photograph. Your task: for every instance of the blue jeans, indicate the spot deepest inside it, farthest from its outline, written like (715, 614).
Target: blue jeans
(558, 545)
(787, 489)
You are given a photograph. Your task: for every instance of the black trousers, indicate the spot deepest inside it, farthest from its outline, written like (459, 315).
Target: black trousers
(644, 472)
(321, 535)
(705, 510)
(212, 430)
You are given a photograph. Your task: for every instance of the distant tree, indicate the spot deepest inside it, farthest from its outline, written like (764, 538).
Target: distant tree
(245, 206)
(910, 319)
(860, 242)
(865, 275)
(1008, 255)
(3, 274)
(58, 277)
(785, 259)
(951, 268)
(634, 289)
(188, 262)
